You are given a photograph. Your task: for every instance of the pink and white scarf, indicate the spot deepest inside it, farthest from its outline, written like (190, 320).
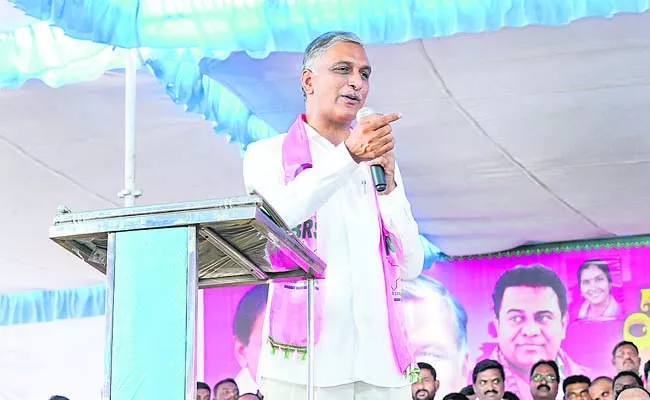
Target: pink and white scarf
(288, 316)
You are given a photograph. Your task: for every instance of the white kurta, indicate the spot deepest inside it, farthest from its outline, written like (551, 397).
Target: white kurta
(355, 343)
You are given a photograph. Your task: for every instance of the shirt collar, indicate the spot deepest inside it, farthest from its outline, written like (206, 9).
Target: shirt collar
(314, 136)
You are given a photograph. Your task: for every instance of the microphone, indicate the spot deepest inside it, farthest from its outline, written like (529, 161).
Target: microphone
(377, 171)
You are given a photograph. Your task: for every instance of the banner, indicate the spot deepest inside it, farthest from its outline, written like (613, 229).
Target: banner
(570, 303)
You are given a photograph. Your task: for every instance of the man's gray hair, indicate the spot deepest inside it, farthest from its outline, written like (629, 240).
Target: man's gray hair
(319, 45)
(423, 286)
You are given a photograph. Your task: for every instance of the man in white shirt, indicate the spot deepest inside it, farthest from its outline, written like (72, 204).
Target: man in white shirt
(317, 177)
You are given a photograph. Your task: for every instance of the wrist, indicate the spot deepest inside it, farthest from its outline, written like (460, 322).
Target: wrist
(349, 149)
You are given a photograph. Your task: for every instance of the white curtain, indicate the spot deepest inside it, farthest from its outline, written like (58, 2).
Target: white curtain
(52, 342)
(42, 359)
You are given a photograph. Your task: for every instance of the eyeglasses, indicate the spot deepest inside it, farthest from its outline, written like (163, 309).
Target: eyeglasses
(547, 378)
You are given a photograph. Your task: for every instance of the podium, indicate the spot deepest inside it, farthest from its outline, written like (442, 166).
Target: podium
(155, 259)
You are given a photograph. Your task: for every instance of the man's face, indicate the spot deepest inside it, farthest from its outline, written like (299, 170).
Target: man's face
(248, 355)
(338, 85)
(634, 394)
(622, 381)
(594, 285)
(432, 333)
(601, 390)
(577, 391)
(426, 388)
(530, 325)
(544, 383)
(489, 385)
(202, 394)
(226, 391)
(626, 358)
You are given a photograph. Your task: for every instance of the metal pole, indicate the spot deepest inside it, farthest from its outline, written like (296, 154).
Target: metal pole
(310, 339)
(192, 299)
(129, 193)
(110, 291)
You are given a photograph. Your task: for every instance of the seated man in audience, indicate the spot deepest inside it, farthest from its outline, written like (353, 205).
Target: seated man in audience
(202, 391)
(468, 391)
(427, 386)
(249, 396)
(602, 388)
(226, 390)
(544, 380)
(625, 357)
(455, 396)
(633, 392)
(489, 380)
(646, 371)
(576, 387)
(510, 396)
(626, 378)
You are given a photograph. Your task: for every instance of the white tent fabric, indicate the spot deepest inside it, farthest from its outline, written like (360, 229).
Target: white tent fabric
(59, 357)
(64, 146)
(527, 135)
(518, 136)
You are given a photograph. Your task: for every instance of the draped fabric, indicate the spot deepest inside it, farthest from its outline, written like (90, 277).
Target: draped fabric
(40, 51)
(173, 37)
(260, 27)
(52, 305)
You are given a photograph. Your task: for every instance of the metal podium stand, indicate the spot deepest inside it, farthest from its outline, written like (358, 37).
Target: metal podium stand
(155, 258)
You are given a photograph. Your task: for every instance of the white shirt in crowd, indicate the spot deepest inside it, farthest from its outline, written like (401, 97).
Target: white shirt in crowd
(355, 343)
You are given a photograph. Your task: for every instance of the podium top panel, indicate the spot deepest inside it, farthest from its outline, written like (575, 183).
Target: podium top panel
(237, 238)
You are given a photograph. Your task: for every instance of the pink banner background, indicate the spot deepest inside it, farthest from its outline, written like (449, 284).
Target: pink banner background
(471, 281)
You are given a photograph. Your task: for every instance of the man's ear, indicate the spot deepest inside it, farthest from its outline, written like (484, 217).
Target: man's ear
(240, 353)
(306, 81)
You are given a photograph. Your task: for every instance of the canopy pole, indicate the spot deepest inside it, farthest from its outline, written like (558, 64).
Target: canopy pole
(130, 193)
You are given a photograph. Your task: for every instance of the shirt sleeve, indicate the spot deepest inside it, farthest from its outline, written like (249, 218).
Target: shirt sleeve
(299, 199)
(396, 212)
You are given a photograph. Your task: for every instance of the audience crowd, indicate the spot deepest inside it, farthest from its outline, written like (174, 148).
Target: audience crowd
(489, 382)
(545, 381)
